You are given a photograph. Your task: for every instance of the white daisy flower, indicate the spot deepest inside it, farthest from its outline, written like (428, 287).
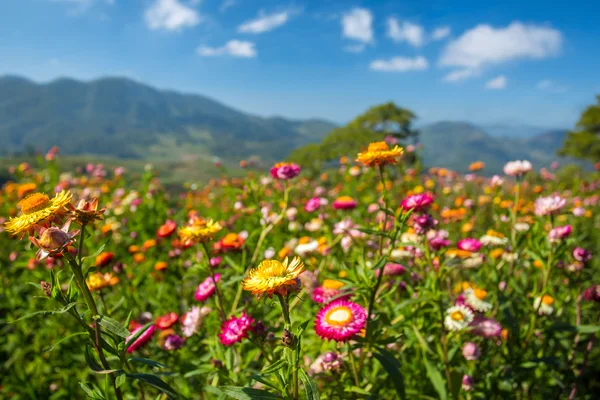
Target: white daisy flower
(458, 318)
(490, 240)
(475, 299)
(546, 307)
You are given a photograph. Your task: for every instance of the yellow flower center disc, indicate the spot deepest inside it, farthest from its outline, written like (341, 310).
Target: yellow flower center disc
(339, 316)
(547, 300)
(33, 203)
(457, 316)
(480, 293)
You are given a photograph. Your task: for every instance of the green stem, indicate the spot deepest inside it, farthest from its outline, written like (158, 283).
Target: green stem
(219, 301)
(291, 354)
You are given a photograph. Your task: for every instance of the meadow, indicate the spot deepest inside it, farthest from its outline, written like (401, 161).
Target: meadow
(372, 279)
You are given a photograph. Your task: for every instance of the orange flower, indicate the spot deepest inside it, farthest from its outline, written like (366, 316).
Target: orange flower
(134, 248)
(379, 153)
(139, 257)
(160, 266)
(476, 166)
(148, 244)
(167, 229)
(104, 258)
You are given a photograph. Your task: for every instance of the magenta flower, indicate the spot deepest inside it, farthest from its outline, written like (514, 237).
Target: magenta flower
(469, 244)
(582, 255)
(559, 233)
(235, 329)
(285, 171)
(344, 203)
(424, 223)
(340, 320)
(467, 382)
(312, 204)
(592, 294)
(393, 269)
(327, 291)
(417, 202)
(207, 288)
(140, 341)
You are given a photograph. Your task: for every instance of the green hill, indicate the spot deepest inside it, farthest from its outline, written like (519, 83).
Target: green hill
(122, 118)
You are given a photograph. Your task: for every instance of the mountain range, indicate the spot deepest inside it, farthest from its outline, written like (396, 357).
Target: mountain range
(121, 118)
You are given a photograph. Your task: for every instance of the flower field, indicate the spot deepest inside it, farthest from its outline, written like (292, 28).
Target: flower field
(372, 280)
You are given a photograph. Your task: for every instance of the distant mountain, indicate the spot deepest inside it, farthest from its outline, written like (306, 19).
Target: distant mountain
(123, 118)
(118, 117)
(456, 144)
(514, 130)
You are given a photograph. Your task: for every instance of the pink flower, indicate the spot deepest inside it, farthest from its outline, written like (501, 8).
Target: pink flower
(549, 205)
(469, 244)
(486, 327)
(235, 329)
(471, 351)
(340, 320)
(393, 269)
(423, 223)
(581, 254)
(140, 341)
(344, 203)
(207, 288)
(324, 294)
(312, 204)
(559, 233)
(467, 382)
(285, 171)
(417, 202)
(592, 294)
(517, 168)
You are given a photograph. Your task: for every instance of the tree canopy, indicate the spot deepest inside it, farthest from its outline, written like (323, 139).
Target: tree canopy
(584, 141)
(373, 125)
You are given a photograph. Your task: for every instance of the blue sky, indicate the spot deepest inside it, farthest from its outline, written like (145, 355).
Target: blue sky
(484, 61)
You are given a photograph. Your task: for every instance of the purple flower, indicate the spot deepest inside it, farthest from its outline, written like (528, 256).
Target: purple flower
(174, 342)
(592, 294)
(423, 223)
(467, 382)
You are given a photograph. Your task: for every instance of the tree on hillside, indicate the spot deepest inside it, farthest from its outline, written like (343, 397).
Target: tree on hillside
(584, 141)
(373, 125)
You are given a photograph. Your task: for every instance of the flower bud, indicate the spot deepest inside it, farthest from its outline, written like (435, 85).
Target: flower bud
(471, 351)
(53, 239)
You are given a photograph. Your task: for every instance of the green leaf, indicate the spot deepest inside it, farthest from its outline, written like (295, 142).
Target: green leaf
(95, 394)
(422, 340)
(246, 393)
(157, 383)
(264, 381)
(436, 379)
(121, 380)
(96, 253)
(48, 312)
(93, 364)
(113, 326)
(302, 327)
(588, 328)
(205, 369)
(310, 387)
(276, 366)
(356, 389)
(148, 362)
(139, 333)
(392, 367)
(380, 264)
(49, 349)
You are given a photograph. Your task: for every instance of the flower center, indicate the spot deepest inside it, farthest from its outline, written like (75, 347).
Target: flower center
(332, 284)
(480, 293)
(457, 316)
(378, 146)
(345, 199)
(339, 316)
(547, 300)
(33, 203)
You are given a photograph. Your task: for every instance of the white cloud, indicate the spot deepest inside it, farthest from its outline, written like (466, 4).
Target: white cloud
(551, 86)
(227, 4)
(355, 48)
(440, 33)
(460, 74)
(235, 48)
(407, 32)
(400, 64)
(358, 25)
(171, 15)
(484, 45)
(264, 23)
(498, 82)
